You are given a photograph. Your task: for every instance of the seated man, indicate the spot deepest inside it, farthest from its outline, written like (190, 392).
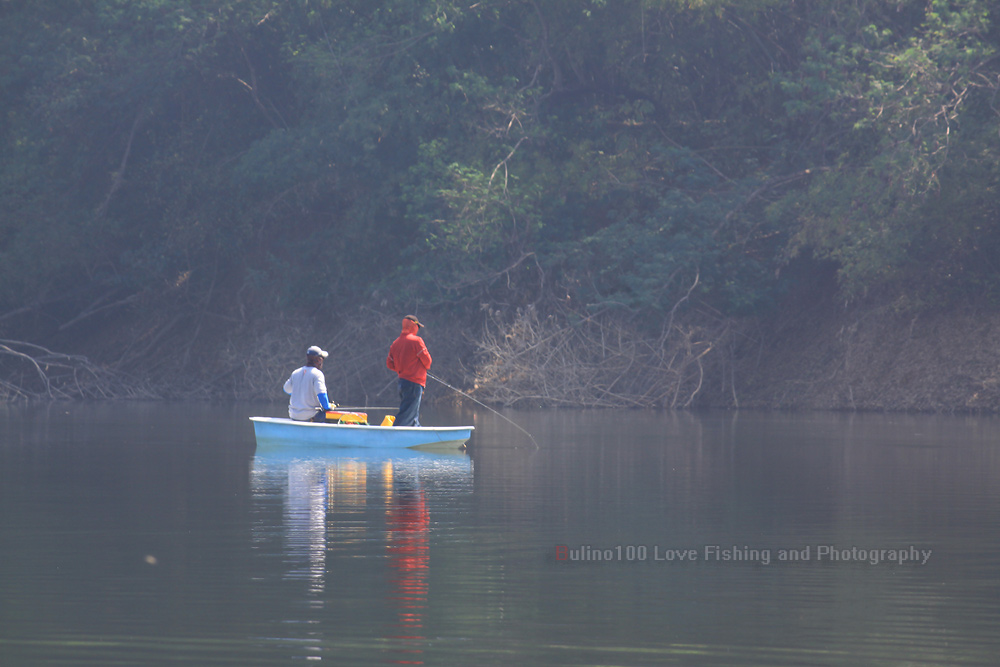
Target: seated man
(307, 389)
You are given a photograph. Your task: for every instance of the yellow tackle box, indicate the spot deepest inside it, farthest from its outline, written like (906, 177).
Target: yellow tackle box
(339, 417)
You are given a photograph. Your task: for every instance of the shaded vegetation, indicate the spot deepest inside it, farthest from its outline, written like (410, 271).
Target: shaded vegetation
(180, 176)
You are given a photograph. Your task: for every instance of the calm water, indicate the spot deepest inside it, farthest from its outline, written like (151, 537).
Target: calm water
(155, 534)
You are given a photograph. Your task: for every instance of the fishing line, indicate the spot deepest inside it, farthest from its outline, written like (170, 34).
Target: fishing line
(485, 406)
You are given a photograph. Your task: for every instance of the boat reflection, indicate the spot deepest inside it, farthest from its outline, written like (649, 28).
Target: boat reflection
(360, 513)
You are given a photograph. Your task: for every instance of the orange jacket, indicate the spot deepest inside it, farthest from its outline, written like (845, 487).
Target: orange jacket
(408, 355)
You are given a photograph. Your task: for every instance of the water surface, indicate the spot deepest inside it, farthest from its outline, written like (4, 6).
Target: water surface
(156, 534)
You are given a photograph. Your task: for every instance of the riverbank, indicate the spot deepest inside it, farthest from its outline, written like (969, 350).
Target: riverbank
(821, 354)
(813, 353)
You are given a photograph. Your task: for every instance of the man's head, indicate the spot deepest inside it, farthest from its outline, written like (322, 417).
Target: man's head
(411, 323)
(315, 356)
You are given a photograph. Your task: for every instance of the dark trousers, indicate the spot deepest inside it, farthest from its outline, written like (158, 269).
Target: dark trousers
(409, 403)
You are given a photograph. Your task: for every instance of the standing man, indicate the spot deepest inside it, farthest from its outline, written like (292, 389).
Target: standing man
(307, 389)
(408, 356)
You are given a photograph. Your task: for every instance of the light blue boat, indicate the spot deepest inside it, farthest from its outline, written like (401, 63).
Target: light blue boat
(276, 431)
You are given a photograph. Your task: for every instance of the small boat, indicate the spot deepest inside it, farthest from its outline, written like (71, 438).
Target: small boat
(282, 431)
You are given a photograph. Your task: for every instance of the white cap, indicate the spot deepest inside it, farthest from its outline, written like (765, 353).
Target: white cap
(316, 351)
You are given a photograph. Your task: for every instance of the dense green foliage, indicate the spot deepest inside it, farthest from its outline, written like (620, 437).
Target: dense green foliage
(258, 154)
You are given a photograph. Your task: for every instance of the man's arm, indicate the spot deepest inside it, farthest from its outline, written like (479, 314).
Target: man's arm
(424, 356)
(320, 388)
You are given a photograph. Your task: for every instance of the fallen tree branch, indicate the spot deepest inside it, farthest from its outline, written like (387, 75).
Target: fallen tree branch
(94, 308)
(33, 372)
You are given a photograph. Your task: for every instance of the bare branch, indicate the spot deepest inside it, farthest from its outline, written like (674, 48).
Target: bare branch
(119, 176)
(592, 361)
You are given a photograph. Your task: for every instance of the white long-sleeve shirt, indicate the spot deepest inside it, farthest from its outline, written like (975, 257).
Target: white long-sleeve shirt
(304, 387)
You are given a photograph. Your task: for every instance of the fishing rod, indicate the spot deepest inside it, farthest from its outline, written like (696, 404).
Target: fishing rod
(485, 406)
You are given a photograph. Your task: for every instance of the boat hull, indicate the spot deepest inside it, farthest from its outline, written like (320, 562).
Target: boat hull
(275, 431)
